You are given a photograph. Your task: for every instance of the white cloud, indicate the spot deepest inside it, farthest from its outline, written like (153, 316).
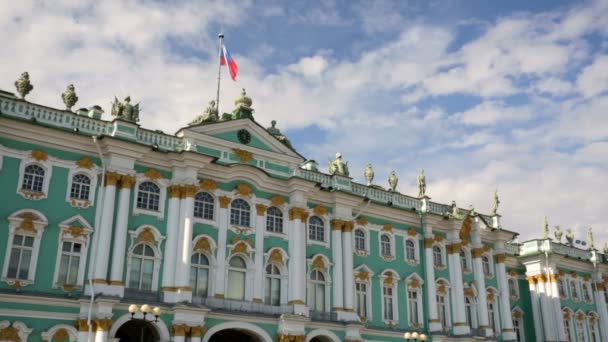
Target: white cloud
(491, 112)
(554, 86)
(594, 78)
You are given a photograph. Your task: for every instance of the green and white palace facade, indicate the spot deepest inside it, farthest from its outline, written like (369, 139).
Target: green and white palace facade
(237, 237)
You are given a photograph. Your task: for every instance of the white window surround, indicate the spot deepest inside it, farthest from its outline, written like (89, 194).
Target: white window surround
(383, 279)
(19, 222)
(513, 283)
(361, 252)
(586, 292)
(581, 326)
(249, 274)
(136, 239)
(210, 254)
(564, 284)
(47, 166)
(496, 310)
(410, 281)
(517, 314)
(72, 332)
(444, 262)
(252, 214)
(593, 325)
(416, 241)
(22, 330)
(568, 317)
(74, 229)
(201, 220)
(446, 294)
(574, 288)
(490, 265)
(469, 261)
(162, 184)
(284, 209)
(368, 289)
(326, 273)
(391, 239)
(92, 174)
(326, 231)
(283, 270)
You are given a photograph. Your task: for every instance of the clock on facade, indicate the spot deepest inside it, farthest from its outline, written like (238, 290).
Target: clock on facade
(244, 136)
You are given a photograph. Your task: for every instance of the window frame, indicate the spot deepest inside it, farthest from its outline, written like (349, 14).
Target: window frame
(156, 244)
(446, 303)
(495, 323)
(162, 184)
(199, 266)
(393, 285)
(365, 250)
(47, 166)
(278, 276)
(513, 295)
(311, 284)
(363, 275)
(92, 174)
(416, 245)
(249, 275)
(250, 216)
(214, 208)
(467, 259)
(283, 269)
(70, 234)
(232, 269)
(414, 283)
(587, 294)
(441, 248)
(35, 230)
(490, 262)
(326, 230)
(519, 327)
(275, 218)
(574, 289)
(390, 244)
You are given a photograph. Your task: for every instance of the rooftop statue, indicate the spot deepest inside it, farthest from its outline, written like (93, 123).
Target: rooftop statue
(368, 174)
(421, 184)
(456, 212)
(393, 180)
(209, 115)
(125, 110)
(243, 107)
(590, 238)
(277, 134)
(69, 97)
(558, 234)
(338, 167)
(496, 203)
(569, 236)
(472, 210)
(546, 229)
(23, 85)
(605, 249)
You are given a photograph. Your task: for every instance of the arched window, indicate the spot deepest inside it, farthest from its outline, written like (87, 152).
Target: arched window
(199, 274)
(240, 213)
(148, 196)
(464, 261)
(316, 291)
(69, 263)
(513, 288)
(518, 325)
(492, 311)
(469, 308)
(385, 246)
(561, 288)
(204, 206)
(274, 220)
(33, 178)
(568, 328)
(361, 295)
(316, 229)
(142, 267)
(586, 292)
(273, 285)
(20, 257)
(485, 263)
(410, 250)
(81, 186)
(443, 305)
(360, 240)
(580, 327)
(594, 334)
(237, 271)
(437, 257)
(574, 290)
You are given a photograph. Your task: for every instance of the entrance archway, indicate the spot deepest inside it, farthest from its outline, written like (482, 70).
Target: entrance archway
(322, 335)
(233, 335)
(137, 330)
(236, 331)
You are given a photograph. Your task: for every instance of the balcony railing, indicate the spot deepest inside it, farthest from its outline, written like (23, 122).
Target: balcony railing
(242, 306)
(137, 295)
(323, 316)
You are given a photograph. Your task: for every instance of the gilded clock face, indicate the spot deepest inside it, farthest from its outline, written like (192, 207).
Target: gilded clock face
(244, 136)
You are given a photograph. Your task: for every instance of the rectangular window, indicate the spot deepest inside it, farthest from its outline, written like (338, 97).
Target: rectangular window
(387, 291)
(412, 299)
(273, 291)
(21, 255)
(69, 263)
(361, 293)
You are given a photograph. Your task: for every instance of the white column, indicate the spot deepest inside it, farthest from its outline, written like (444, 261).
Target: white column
(459, 320)
(105, 229)
(546, 308)
(434, 324)
(260, 226)
(536, 313)
(349, 279)
(480, 280)
(600, 301)
(120, 234)
(223, 213)
(557, 307)
(508, 333)
(185, 245)
(83, 330)
(297, 217)
(336, 250)
(172, 235)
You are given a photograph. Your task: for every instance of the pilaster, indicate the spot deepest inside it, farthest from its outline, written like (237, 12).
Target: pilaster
(184, 250)
(536, 311)
(431, 292)
(506, 320)
(557, 306)
(223, 213)
(480, 280)
(120, 236)
(336, 249)
(297, 218)
(546, 307)
(460, 326)
(170, 256)
(260, 221)
(601, 304)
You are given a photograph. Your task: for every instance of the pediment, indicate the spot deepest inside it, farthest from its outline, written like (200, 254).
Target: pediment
(227, 132)
(76, 220)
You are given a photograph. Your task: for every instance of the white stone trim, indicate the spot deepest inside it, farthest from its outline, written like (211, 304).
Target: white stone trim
(39, 226)
(416, 240)
(522, 328)
(200, 220)
(283, 268)
(368, 289)
(391, 238)
(72, 332)
(283, 234)
(22, 330)
(366, 237)
(419, 295)
(252, 215)
(156, 247)
(84, 239)
(326, 273)
(322, 333)
(326, 231)
(249, 275)
(92, 174)
(162, 184)
(239, 325)
(395, 299)
(46, 165)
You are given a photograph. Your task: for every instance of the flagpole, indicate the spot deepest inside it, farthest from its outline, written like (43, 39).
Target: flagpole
(219, 72)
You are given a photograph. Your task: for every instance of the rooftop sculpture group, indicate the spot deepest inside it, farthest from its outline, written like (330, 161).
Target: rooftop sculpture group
(125, 110)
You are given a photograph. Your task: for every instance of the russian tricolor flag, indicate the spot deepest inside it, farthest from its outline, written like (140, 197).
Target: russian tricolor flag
(226, 59)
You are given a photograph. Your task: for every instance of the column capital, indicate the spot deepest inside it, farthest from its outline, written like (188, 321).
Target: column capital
(600, 287)
(175, 191)
(348, 226)
(179, 329)
(500, 258)
(454, 248)
(476, 252)
(103, 324)
(553, 277)
(298, 214)
(337, 224)
(126, 181)
(428, 242)
(81, 325)
(540, 278)
(112, 178)
(224, 201)
(197, 331)
(261, 209)
(531, 280)
(188, 191)
(290, 338)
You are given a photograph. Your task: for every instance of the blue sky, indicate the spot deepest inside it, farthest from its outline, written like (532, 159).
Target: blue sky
(481, 94)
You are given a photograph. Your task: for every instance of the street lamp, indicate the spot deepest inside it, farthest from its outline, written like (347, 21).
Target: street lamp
(414, 336)
(145, 309)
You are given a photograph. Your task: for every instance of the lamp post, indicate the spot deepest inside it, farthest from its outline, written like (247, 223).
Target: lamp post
(145, 310)
(414, 336)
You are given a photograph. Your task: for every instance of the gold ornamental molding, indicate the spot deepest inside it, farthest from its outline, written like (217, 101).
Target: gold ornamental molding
(208, 185)
(513, 273)
(290, 338)
(102, 324)
(61, 335)
(464, 242)
(500, 258)
(586, 278)
(438, 238)
(224, 201)
(412, 232)
(112, 178)
(540, 278)
(146, 235)
(337, 224)
(573, 274)
(75, 231)
(276, 257)
(389, 280)
(197, 331)
(153, 174)
(243, 190)
(491, 296)
(40, 155)
(441, 289)
(189, 191)
(240, 247)
(531, 280)
(600, 287)
(487, 248)
(203, 245)
(126, 182)
(517, 314)
(387, 228)
(348, 226)
(296, 302)
(362, 275)
(10, 334)
(553, 278)
(318, 263)
(362, 221)
(319, 210)
(428, 242)
(175, 191)
(468, 292)
(476, 252)
(179, 329)
(242, 155)
(81, 325)
(277, 200)
(454, 248)
(465, 229)
(298, 214)
(85, 163)
(414, 283)
(260, 209)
